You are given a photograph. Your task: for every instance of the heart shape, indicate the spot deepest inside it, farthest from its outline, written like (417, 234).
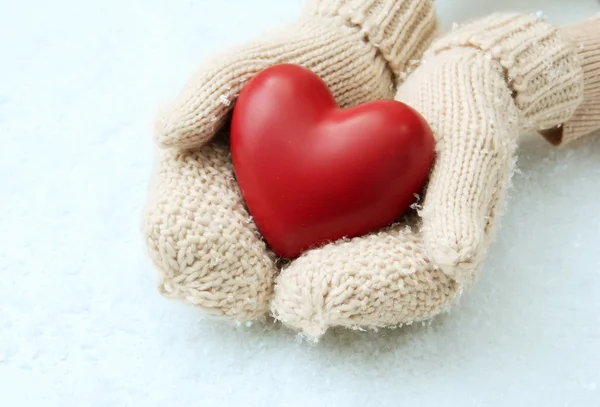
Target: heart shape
(311, 172)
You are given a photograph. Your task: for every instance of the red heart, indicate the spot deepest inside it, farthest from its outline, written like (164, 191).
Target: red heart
(312, 173)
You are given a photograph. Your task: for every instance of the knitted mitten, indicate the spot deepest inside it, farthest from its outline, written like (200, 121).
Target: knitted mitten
(478, 87)
(198, 232)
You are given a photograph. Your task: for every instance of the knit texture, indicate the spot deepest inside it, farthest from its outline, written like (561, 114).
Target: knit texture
(396, 27)
(199, 235)
(357, 47)
(587, 117)
(383, 279)
(477, 93)
(540, 71)
(476, 124)
(540, 65)
(202, 239)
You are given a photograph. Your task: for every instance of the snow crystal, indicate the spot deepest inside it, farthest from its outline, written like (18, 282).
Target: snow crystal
(224, 100)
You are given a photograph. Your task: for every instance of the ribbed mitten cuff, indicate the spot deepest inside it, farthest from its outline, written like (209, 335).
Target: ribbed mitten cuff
(401, 29)
(541, 67)
(586, 36)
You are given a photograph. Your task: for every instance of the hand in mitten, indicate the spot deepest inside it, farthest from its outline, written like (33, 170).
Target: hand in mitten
(478, 87)
(197, 230)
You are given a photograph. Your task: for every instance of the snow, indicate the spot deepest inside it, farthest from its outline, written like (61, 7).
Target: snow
(81, 321)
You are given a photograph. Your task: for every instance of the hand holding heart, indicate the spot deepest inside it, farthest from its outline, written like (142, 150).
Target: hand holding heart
(206, 244)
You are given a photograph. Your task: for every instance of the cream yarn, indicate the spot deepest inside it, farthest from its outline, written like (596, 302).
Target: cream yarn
(478, 87)
(197, 230)
(200, 237)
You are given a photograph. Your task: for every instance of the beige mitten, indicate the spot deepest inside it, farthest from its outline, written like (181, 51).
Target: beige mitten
(198, 232)
(478, 87)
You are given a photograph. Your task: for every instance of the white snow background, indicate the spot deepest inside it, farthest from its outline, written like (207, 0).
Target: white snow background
(81, 321)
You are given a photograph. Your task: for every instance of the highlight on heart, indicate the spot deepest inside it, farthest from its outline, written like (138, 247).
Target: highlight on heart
(337, 120)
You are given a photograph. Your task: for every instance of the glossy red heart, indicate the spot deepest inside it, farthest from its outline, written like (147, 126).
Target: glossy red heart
(312, 173)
